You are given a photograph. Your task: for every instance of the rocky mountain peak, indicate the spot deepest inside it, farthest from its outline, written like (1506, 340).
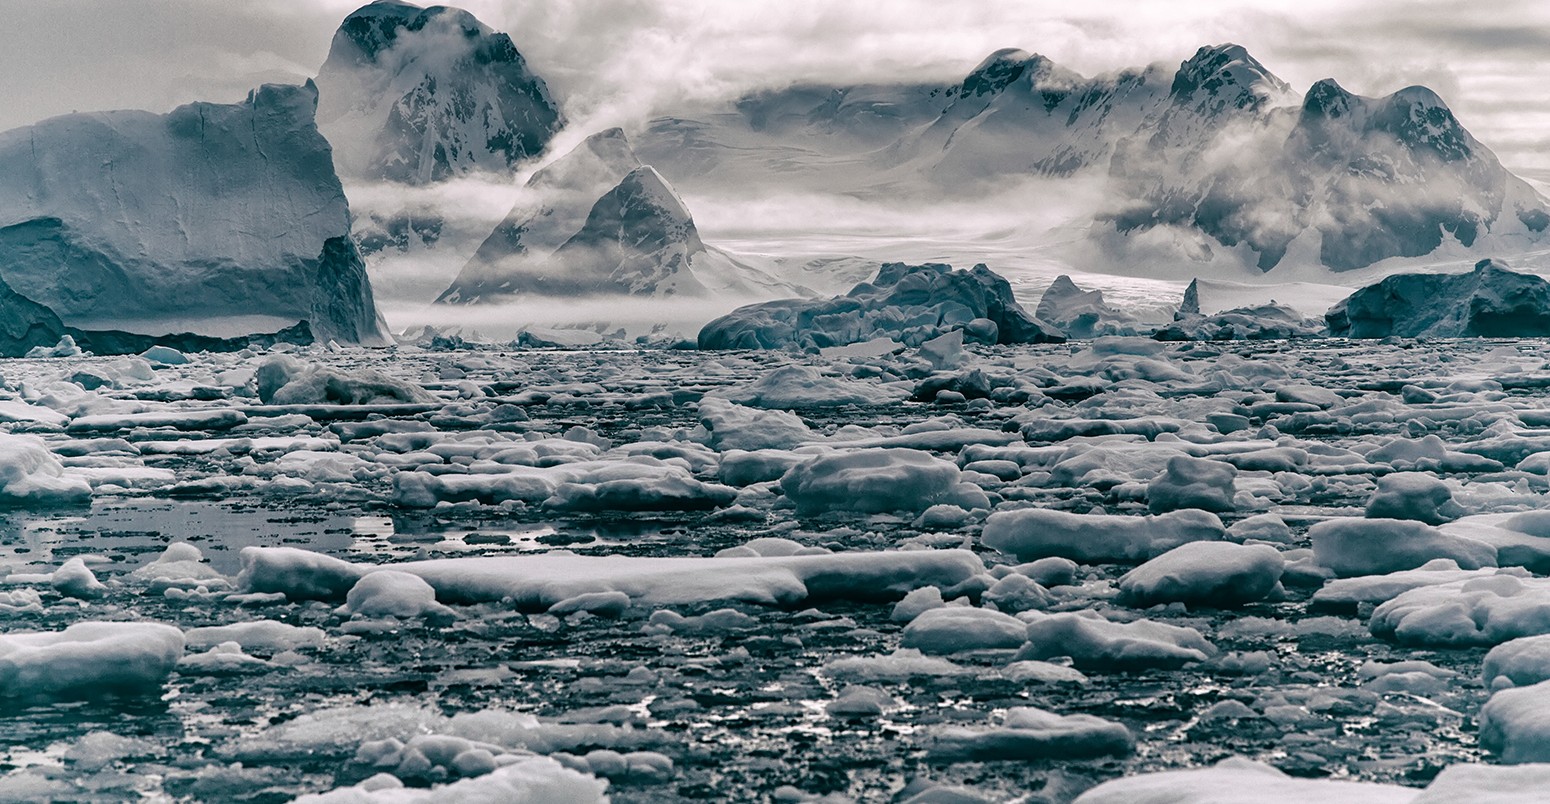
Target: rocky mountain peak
(1228, 76)
(417, 95)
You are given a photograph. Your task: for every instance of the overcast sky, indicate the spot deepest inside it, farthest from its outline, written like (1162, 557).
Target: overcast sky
(624, 57)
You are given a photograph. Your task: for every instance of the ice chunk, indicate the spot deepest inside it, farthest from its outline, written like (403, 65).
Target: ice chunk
(88, 658)
(955, 629)
(74, 579)
(860, 702)
(536, 582)
(1518, 662)
(1192, 483)
(180, 564)
(1520, 539)
(945, 351)
(217, 219)
(1487, 784)
(1515, 724)
(636, 483)
(1479, 611)
(1413, 495)
(1490, 301)
(1014, 593)
(225, 659)
(528, 779)
(1093, 643)
(794, 387)
(15, 410)
(1375, 546)
(733, 426)
(1349, 592)
(1238, 779)
(901, 665)
(1029, 733)
(387, 593)
(31, 475)
(1081, 313)
(670, 492)
(164, 355)
(284, 380)
(270, 636)
(1219, 574)
(876, 481)
(1031, 533)
(1269, 321)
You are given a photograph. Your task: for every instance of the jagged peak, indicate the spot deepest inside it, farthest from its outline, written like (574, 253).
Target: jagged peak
(605, 153)
(1327, 98)
(1216, 67)
(372, 29)
(1001, 69)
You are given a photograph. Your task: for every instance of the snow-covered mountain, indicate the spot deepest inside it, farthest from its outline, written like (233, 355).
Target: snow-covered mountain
(599, 222)
(1216, 161)
(213, 219)
(416, 95)
(1346, 180)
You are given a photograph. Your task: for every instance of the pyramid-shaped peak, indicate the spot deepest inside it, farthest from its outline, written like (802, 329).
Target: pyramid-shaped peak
(604, 157)
(611, 145)
(647, 185)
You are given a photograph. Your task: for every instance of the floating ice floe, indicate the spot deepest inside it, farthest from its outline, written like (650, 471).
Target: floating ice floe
(797, 387)
(88, 658)
(1096, 644)
(1219, 574)
(877, 481)
(1478, 611)
(1031, 533)
(956, 629)
(1238, 779)
(1029, 733)
(1351, 546)
(285, 380)
(528, 779)
(536, 582)
(31, 475)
